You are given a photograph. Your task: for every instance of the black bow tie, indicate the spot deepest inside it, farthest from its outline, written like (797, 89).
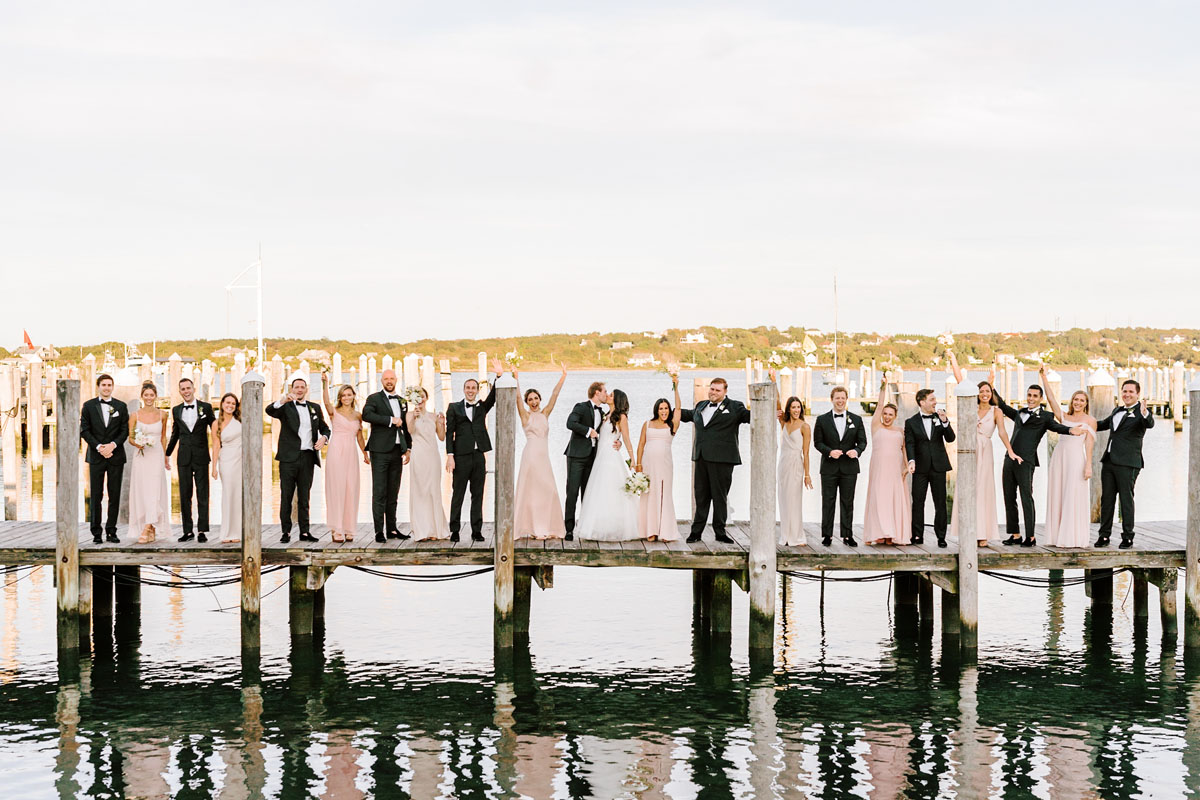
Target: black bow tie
(928, 416)
(106, 402)
(838, 416)
(1028, 410)
(190, 405)
(301, 404)
(393, 397)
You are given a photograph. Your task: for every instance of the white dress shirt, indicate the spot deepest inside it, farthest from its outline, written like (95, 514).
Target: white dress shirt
(709, 412)
(106, 411)
(188, 415)
(304, 429)
(469, 410)
(394, 402)
(1026, 413)
(840, 423)
(928, 422)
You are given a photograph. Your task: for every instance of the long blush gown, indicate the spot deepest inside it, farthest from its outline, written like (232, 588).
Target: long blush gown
(149, 490)
(537, 513)
(791, 487)
(341, 475)
(1068, 498)
(229, 465)
(425, 512)
(889, 503)
(986, 525)
(656, 509)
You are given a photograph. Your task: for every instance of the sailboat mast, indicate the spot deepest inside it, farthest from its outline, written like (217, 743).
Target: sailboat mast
(835, 327)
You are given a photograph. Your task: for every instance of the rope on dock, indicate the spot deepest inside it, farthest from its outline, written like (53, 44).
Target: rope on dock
(180, 581)
(398, 576)
(819, 578)
(1033, 580)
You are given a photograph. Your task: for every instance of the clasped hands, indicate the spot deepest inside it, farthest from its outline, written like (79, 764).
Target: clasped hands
(846, 453)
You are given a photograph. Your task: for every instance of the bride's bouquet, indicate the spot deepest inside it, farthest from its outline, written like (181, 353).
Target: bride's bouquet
(513, 359)
(412, 396)
(637, 484)
(141, 439)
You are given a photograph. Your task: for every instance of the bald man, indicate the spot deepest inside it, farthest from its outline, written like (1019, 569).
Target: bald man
(388, 445)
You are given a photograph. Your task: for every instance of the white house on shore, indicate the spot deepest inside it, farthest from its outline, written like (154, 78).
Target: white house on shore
(643, 360)
(693, 338)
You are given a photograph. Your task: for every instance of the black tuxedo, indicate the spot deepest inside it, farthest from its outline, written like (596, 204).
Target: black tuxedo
(103, 470)
(927, 451)
(839, 476)
(296, 464)
(581, 454)
(1119, 466)
(715, 453)
(467, 440)
(387, 445)
(192, 462)
(1026, 436)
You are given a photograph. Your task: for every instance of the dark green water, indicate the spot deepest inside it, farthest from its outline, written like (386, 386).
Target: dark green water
(614, 696)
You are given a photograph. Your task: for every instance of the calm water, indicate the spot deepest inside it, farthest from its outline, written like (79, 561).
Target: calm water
(615, 695)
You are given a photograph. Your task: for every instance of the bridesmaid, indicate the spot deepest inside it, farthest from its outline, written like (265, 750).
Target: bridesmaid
(1068, 497)
(794, 476)
(149, 491)
(341, 461)
(888, 517)
(656, 508)
(988, 422)
(537, 514)
(426, 515)
(227, 465)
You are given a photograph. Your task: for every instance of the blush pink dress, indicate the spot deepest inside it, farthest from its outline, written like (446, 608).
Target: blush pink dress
(986, 525)
(341, 475)
(889, 504)
(656, 508)
(149, 492)
(426, 515)
(1068, 498)
(538, 514)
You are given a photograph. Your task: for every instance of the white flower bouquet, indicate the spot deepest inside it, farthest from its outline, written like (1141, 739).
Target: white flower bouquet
(513, 359)
(637, 484)
(412, 396)
(141, 439)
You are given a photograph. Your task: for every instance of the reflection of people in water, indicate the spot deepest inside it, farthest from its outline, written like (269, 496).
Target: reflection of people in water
(538, 763)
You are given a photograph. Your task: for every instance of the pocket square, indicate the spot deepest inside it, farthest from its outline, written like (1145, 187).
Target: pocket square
(724, 410)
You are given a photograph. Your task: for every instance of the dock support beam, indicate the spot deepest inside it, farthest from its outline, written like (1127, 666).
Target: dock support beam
(763, 407)
(102, 594)
(301, 602)
(1101, 585)
(1191, 591)
(1167, 581)
(252, 465)
(66, 510)
(721, 599)
(1141, 594)
(702, 581)
(968, 522)
(925, 600)
(522, 595)
(951, 625)
(503, 554)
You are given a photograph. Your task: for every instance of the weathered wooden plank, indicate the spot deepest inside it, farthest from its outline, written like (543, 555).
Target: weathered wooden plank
(66, 511)
(964, 493)
(252, 509)
(762, 556)
(504, 490)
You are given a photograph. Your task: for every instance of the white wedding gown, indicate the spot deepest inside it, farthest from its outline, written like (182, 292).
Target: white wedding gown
(608, 513)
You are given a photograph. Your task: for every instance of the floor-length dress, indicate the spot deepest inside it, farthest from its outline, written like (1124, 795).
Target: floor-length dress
(986, 524)
(229, 466)
(656, 509)
(1068, 497)
(426, 514)
(608, 513)
(341, 474)
(791, 487)
(888, 512)
(537, 513)
(149, 489)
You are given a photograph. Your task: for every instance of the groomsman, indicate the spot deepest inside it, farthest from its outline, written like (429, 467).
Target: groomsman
(190, 421)
(1121, 461)
(926, 434)
(840, 437)
(715, 453)
(104, 425)
(584, 424)
(1029, 426)
(301, 437)
(389, 445)
(467, 441)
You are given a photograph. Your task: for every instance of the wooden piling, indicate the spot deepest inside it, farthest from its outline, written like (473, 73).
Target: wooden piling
(127, 591)
(34, 412)
(1167, 581)
(964, 493)
(1191, 591)
(1141, 594)
(8, 440)
(102, 592)
(1101, 585)
(66, 510)
(503, 554)
(763, 405)
(721, 602)
(925, 600)
(522, 596)
(1178, 395)
(300, 602)
(87, 378)
(252, 488)
(1100, 390)
(951, 625)
(904, 590)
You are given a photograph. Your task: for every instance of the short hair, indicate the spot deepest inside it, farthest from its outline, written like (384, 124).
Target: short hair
(837, 389)
(298, 378)
(721, 381)
(1039, 389)
(104, 376)
(922, 394)
(182, 381)
(470, 380)
(1136, 385)
(597, 386)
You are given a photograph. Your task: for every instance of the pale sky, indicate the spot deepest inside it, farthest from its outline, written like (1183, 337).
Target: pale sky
(471, 169)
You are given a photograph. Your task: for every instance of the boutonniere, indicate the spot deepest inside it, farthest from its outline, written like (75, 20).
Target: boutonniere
(849, 423)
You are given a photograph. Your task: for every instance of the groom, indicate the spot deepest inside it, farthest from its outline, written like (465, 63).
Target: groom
(841, 438)
(926, 434)
(467, 443)
(715, 452)
(104, 425)
(584, 424)
(1121, 462)
(302, 434)
(189, 430)
(389, 444)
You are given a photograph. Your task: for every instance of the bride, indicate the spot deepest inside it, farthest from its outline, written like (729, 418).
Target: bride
(608, 512)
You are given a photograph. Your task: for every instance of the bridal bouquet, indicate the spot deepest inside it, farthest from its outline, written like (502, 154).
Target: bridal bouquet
(637, 484)
(412, 396)
(670, 368)
(513, 359)
(141, 439)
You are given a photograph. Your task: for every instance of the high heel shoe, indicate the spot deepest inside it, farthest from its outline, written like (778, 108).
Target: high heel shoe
(337, 537)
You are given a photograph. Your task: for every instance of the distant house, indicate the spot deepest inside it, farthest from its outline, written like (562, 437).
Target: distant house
(693, 338)
(792, 347)
(1144, 360)
(642, 360)
(876, 342)
(1174, 339)
(320, 356)
(227, 352)
(1004, 359)
(44, 352)
(621, 346)
(727, 345)
(909, 342)
(654, 334)
(1099, 362)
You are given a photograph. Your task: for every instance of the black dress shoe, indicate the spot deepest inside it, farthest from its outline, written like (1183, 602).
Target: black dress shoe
(306, 537)
(849, 541)
(941, 541)
(379, 537)
(97, 538)
(476, 537)
(693, 538)
(187, 537)
(724, 538)
(285, 538)
(1011, 540)
(1126, 543)
(826, 541)
(398, 535)
(454, 537)
(918, 540)
(1028, 541)
(202, 537)
(570, 537)
(1101, 542)
(111, 538)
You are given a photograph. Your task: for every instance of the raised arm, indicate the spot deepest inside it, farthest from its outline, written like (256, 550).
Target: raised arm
(676, 414)
(1050, 398)
(521, 410)
(549, 407)
(325, 394)
(958, 374)
(879, 402)
(1003, 407)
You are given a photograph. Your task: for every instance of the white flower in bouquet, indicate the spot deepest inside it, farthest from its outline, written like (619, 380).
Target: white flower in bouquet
(513, 359)
(637, 484)
(670, 368)
(141, 439)
(412, 396)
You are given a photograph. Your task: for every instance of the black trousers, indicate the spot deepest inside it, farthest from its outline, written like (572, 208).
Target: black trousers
(295, 483)
(1117, 481)
(832, 487)
(469, 471)
(1016, 477)
(386, 471)
(711, 487)
(193, 474)
(923, 482)
(110, 472)
(578, 472)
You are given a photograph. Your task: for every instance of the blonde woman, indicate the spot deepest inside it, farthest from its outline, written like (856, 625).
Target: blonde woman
(1068, 498)
(427, 516)
(149, 490)
(346, 446)
(227, 465)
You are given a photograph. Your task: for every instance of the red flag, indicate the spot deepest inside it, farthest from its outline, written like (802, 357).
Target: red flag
(28, 341)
